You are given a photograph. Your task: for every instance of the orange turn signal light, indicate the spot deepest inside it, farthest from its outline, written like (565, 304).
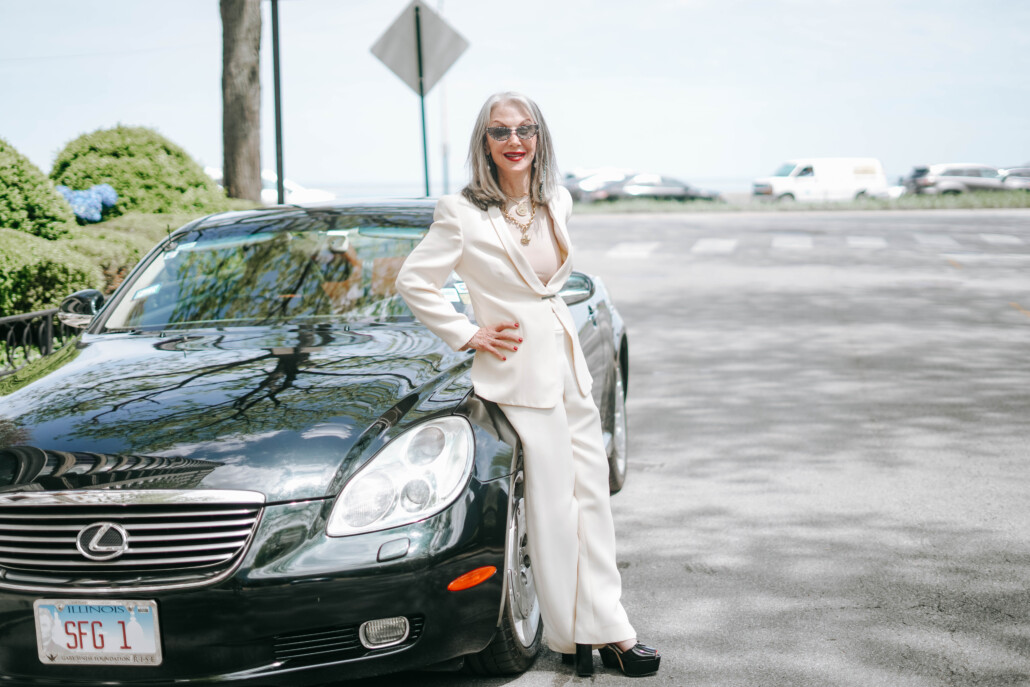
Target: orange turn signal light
(472, 578)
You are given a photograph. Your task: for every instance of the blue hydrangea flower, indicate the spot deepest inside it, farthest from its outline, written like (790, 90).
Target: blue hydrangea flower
(86, 205)
(108, 196)
(89, 205)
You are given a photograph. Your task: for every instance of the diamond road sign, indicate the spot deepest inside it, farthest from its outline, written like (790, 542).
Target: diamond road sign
(397, 48)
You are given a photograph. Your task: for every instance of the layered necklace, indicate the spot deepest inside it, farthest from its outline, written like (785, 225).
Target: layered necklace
(523, 206)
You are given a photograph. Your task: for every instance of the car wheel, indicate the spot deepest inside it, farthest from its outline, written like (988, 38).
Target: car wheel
(517, 642)
(786, 198)
(619, 438)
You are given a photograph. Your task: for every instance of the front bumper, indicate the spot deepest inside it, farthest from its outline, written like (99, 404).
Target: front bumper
(290, 613)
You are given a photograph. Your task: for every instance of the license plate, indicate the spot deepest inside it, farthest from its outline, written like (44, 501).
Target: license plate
(97, 632)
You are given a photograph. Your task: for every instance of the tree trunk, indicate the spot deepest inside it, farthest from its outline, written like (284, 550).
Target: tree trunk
(241, 98)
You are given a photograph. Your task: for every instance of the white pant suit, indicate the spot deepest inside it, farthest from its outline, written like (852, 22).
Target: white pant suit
(544, 391)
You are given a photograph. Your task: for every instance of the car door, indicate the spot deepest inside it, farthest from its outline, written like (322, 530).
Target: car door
(594, 325)
(988, 179)
(807, 186)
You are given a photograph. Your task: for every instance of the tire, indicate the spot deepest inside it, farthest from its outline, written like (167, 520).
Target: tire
(786, 198)
(619, 438)
(517, 642)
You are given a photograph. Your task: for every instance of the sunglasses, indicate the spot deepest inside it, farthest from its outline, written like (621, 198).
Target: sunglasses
(503, 133)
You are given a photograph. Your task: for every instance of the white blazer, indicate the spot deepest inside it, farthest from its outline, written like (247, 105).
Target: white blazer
(503, 287)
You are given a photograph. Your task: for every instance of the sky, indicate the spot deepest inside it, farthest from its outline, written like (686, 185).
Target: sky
(715, 92)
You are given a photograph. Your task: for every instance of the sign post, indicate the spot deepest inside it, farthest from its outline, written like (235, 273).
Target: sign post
(420, 47)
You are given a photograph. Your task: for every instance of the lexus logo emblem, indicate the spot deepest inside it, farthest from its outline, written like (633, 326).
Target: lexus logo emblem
(102, 541)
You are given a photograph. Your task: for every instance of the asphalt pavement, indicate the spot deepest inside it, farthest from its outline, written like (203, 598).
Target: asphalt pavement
(829, 479)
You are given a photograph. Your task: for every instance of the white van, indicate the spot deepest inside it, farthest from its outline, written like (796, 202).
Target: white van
(819, 179)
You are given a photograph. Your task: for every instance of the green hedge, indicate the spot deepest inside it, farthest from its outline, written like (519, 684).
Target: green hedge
(28, 201)
(150, 173)
(36, 274)
(115, 246)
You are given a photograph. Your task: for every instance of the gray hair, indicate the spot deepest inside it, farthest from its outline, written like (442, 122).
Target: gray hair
(484, 190)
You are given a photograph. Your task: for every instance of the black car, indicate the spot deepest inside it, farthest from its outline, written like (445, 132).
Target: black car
(652, 186)
(254, 466)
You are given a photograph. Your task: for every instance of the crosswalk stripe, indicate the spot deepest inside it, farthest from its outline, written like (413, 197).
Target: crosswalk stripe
(714, 246)
(634, 249)
(867, 242)
(1002, 239)
(936, 240)
(987, 257)
(792, 242)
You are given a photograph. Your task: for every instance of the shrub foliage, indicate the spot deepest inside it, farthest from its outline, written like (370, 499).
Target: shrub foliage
(28, 201)
(150, 173)
(36, 274)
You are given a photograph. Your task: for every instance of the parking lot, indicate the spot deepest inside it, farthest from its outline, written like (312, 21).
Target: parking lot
(829, 464)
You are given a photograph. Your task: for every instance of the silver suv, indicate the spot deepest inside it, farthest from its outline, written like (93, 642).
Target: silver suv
(954, 178)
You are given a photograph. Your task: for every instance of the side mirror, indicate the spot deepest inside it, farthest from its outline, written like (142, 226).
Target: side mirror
(577, 289)
(78, 309)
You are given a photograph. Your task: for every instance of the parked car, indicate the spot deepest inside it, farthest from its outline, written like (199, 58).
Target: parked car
(952, 178)
(1016, 178)
(582, 183)
(652, 186)
(254, 466)
(294, 193)
(821, 179)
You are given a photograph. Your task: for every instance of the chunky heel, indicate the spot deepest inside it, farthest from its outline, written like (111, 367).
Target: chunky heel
(584, 660)
(636, 662)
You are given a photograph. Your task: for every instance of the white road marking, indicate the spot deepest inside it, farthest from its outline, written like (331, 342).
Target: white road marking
(714, 246)
(632, 250)
(987, 257)
(1002, 239)
(936, 241)
(792, 242)
(867, 242)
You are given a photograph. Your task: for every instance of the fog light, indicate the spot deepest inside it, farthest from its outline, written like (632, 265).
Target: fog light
(375, 634)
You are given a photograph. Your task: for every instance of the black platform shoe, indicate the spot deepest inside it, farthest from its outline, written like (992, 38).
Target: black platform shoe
(636, 662)
(583, 658)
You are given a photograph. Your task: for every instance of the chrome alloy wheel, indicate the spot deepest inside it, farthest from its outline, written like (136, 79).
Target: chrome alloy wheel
(522, 600)
(620, 438)
(616, 442)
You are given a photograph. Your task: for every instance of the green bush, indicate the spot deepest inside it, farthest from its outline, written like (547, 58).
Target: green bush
(150, 173)
(28, 201)
(35, 274)
(116, 245)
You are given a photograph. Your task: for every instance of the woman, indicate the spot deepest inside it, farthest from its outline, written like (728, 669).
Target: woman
(505, 235)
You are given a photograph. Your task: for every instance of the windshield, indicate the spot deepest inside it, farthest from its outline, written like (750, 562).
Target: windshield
(784, 170)
(260, 274)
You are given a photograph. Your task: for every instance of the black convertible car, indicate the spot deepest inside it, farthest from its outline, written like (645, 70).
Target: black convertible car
(254, 466)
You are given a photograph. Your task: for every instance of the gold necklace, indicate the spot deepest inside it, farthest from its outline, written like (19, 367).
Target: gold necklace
(522, 207)
(523, 228)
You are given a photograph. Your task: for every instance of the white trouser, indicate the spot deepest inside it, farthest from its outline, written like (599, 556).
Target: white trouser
(568, 510)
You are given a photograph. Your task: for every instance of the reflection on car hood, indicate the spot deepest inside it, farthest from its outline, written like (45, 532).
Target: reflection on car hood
(271, 410)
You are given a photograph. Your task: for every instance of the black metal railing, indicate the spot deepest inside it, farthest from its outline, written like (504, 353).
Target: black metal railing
(24, 338)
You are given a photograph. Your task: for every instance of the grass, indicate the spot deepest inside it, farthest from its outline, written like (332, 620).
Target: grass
(963, 201)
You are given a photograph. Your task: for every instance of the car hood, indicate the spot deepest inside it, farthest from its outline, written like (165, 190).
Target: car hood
(280, 411)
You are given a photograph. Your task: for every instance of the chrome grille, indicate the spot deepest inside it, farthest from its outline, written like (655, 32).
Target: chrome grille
(172, 538)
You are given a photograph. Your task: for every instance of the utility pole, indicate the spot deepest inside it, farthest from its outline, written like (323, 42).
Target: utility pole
(280, 189)
(444, 145)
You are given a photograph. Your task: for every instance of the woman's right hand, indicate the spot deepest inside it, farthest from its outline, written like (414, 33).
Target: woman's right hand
(496, 339)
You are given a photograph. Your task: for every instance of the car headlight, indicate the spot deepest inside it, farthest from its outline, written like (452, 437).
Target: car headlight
(419, 473)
